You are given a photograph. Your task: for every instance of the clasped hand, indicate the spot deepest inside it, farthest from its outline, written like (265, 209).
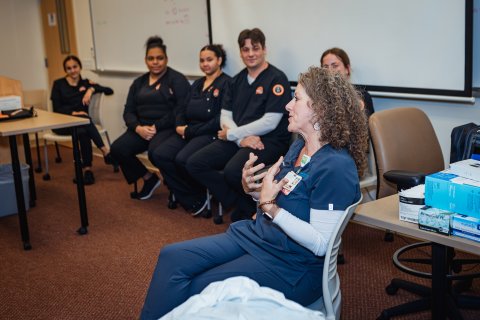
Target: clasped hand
(253, 142)
(146, 132)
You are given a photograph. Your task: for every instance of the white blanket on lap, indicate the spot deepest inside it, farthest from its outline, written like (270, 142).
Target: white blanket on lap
(240, 298)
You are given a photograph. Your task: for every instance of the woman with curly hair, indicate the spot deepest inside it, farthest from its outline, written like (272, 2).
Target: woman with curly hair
(300, 201)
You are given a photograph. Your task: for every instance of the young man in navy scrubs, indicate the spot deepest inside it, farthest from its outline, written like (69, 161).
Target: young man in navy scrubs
(253, 119)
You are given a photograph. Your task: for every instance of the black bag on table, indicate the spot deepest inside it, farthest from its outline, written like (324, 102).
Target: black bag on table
(465, 141)
(18, 114)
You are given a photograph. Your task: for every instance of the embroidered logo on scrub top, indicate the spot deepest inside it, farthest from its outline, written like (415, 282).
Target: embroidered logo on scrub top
(158, 86)
(259, 90)
(278, 90)
(216, 92)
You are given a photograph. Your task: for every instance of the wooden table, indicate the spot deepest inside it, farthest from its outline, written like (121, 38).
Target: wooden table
(383, 213)
(45, 120)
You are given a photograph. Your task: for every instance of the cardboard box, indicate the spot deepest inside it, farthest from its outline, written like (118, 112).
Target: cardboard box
(435, 220)
(450, 192)
(469, 169)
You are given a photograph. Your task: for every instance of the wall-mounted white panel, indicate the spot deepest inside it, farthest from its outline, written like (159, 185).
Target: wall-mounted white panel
(121, 27)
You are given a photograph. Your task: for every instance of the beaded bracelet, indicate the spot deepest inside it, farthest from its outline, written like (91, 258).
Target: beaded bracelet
(261, 204)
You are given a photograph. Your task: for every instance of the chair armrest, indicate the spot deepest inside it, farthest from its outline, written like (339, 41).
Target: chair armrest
(404, 179)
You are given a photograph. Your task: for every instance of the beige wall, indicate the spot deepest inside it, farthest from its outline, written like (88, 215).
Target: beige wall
(22, 53)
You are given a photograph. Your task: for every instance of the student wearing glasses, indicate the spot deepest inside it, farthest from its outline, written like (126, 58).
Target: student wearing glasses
(337, 60)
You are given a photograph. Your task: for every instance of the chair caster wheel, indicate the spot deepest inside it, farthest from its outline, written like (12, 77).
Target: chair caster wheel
(391, 289)
(218, 219)
(206, 214)
(58, 160)
(46, 177)
(115, 169)
(134, 195)
(172, 203)
(27, 246)
(38, 170)
(82, 230)
(388, 237)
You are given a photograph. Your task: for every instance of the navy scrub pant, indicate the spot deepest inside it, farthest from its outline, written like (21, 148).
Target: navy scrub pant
(219, 165)
(186, 268)
(171, 157)
(125, 149)
(86, 134)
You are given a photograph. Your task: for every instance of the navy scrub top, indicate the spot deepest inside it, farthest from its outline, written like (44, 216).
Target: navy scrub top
(330, 178)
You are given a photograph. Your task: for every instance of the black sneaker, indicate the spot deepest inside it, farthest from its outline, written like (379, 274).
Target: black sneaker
(200, 209)
(149, 186)
(88, 177)
(108, 159)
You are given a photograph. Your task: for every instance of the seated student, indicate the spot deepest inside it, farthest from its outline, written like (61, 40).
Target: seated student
(253, 119)
(284, 247)
(71, 95)
(337, 59)
(155, 106)
(202, 124)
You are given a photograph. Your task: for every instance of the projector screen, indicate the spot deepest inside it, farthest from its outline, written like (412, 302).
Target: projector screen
(417, 47)
(421, 47)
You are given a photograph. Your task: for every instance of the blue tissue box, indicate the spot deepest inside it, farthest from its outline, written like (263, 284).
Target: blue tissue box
(434, 220)
(447, 191)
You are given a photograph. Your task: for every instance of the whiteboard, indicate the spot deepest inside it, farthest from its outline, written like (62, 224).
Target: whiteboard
(415, 46)
(121, 28)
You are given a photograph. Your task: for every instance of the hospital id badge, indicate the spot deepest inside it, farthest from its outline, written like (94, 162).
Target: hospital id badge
(293, 180)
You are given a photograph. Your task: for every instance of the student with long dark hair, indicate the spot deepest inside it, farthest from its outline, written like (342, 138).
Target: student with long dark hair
(71, 95)
(202, 124)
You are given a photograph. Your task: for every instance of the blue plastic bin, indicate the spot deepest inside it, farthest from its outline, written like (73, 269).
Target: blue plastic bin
(8, 201)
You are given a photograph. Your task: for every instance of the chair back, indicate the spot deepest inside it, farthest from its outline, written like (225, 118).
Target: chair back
(37, 98)
(403, 139)
(331, 301)
(94, 108)
(369, 178)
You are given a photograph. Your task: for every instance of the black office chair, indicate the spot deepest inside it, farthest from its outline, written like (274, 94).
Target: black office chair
(406, 149)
